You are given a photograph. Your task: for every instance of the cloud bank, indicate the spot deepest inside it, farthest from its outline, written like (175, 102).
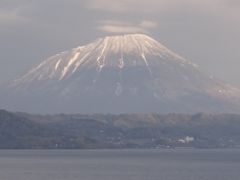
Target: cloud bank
(120, 27)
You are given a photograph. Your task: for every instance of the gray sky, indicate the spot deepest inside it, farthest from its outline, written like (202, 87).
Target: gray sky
(206, 32)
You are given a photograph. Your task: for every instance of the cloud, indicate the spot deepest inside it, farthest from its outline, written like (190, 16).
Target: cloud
(117, 27)
(113, 6)
(121, 29)
(149, 6)
(11, 17)
(10, 11)
(220, 8)
(148, 24)
(232, 3)
(13, 4)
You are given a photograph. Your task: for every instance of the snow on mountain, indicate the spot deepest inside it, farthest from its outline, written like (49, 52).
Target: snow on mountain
(120, 74)
(98, 55)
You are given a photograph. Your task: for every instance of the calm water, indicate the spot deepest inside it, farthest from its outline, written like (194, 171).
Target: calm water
(120, 165)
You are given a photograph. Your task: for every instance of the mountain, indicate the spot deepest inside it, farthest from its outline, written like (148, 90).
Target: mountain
(119, 74)
(20, 131)
(29, 131)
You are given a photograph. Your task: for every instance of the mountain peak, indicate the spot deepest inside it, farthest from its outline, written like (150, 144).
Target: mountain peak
(137, 36)
(117, 51)
(140, 35)
(140, 38)
(130, 43)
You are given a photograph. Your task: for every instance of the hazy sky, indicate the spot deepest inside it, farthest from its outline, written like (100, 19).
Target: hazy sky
(206, 32)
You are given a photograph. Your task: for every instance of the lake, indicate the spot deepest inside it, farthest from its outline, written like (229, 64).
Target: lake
(177, 164)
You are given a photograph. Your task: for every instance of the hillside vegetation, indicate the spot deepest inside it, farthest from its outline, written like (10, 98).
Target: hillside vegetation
(27, 131)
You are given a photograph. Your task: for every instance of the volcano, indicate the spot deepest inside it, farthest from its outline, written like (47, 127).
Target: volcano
(119, 74)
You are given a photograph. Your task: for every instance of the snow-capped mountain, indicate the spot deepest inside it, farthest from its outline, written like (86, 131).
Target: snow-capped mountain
(120, 74)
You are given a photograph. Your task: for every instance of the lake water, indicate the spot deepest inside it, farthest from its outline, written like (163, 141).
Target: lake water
(120, 165)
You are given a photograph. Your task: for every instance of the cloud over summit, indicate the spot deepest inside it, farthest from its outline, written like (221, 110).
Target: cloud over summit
(119, 27)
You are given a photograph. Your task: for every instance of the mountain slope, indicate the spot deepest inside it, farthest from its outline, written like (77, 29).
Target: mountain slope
(120, 74)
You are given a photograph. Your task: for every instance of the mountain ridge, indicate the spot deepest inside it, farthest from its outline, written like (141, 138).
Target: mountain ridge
(106, 131)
